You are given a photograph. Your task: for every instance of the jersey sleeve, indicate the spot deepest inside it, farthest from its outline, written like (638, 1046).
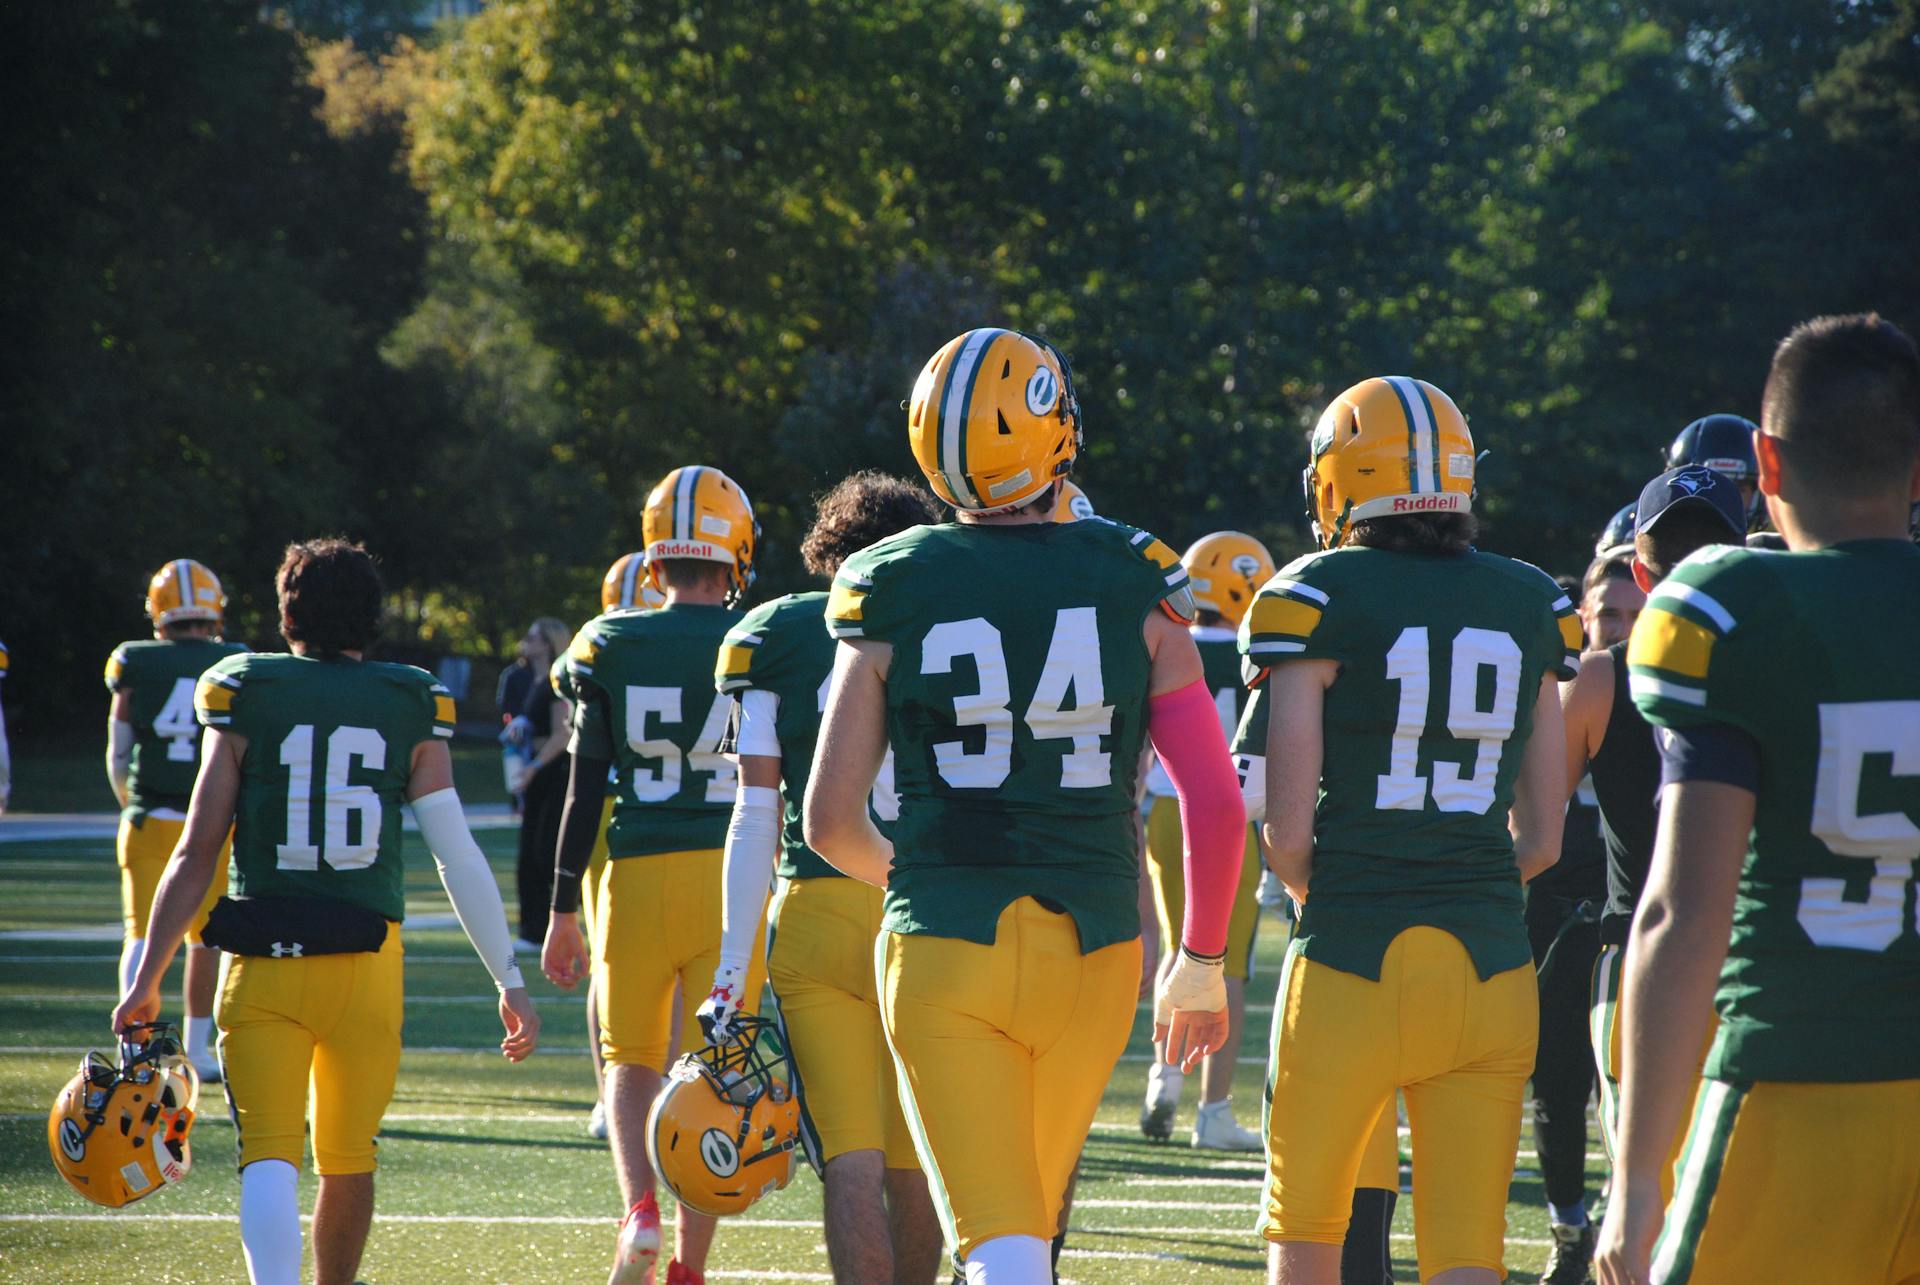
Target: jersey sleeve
(4, 660)
(118, 664)
(439, 708)
(748, 655)
(1561, 635)
(592, 732)
(1289, 620)
(216, 697)
(1687, 637)
(865, 601)
(1168, 581)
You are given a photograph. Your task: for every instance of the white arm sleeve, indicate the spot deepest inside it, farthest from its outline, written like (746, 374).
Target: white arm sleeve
(119, 755)
(1253, 784)
(753, 836)
(468, 879)
(758, 733)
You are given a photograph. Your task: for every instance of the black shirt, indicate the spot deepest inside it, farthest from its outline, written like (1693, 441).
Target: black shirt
(1626, 777)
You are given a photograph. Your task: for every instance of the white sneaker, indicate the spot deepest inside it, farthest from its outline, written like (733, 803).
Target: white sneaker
(597, 1122)
(1215, 1129)
(521, 946)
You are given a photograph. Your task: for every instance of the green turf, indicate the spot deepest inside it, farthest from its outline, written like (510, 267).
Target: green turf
(486, 1173)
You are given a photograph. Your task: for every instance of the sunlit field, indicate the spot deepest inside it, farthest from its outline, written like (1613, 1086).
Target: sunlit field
(486, 1172)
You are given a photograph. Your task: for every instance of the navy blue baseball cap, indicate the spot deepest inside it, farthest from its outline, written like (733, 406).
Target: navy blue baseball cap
(1691, 484)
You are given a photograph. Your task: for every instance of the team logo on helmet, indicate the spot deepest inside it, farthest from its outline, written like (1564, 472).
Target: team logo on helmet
(1246, 566)
(1043, 390)
(72, 1141)
(721, 1156)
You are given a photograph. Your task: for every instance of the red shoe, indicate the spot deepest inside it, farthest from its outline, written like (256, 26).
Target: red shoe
(639, 1247)
(678, 1273)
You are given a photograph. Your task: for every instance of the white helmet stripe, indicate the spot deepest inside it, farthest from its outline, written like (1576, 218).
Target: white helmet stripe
(630, 582)
(1421, 471)
(953, 411)
(683, 501)
(184, 570)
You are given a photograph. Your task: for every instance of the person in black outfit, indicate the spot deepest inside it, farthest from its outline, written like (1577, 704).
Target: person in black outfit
(543, 782)
(1563, 913)
(1611, 745)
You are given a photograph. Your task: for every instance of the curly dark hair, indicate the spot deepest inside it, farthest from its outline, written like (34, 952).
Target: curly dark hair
(863, 509)
(1417, 532)
(331, 596)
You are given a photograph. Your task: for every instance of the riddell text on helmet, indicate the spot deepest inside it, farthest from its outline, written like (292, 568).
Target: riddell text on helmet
(1425, 503)
(683, 549)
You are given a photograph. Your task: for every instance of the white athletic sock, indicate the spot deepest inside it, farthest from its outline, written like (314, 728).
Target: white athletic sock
(1164, 1082)
(270, 1222)
(199, 1038)
(130, 956)
(1010, 1260)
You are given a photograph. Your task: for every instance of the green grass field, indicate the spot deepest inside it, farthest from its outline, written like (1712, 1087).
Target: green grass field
(486, 1171)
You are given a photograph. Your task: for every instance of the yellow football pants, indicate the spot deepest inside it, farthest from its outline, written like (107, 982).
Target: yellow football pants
(320, 1031)
(659, 924)
(1604, 1026)
(596, 870)
(1797, 1182)
(1003, 1053)
(144, 846)
(1166, 868)
(1459, 1049)
(820, 935)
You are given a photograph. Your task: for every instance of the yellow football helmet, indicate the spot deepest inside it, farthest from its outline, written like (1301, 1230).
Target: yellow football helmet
(627, 585)
(185, 590)
(725, 1128)
(993, 420)
(1072, 505)
(700, 513)
(1225, 570)
(118, 1133)
(1385, 447)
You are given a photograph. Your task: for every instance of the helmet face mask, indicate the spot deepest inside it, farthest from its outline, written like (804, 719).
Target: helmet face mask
(118, 1133)
(725, 1129)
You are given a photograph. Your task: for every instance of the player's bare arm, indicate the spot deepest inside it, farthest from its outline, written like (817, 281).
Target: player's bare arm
(1679, 944)
(853, 741)
(1297, 690)
(1540, 791)
(189, 873)
(1586, 704)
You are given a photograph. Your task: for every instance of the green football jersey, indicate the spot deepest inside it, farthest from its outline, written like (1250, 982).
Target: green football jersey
(1441, 658)
(158, 676)
(1812, 655)
(644, 682)
(781, 649)
(1016, 708)
(329, 754)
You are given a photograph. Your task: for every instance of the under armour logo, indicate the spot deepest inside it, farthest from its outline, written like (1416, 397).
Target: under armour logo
(288, 949)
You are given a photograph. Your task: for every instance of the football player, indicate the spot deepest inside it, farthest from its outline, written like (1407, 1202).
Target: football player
(308, 759)
(1802, 1161)
(153, 755)
(646, 705)
(821, 925)
(625, 587)
(1616, 535)
(1723, 443)
(1224, 569)
(1609, 742)
(1015, 664)
(1413, 783)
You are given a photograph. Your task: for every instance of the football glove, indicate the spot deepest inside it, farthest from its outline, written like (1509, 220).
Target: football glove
(1196, 984)
(722, 1005)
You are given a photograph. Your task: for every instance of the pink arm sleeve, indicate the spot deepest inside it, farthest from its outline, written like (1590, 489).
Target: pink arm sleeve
(1185, 728)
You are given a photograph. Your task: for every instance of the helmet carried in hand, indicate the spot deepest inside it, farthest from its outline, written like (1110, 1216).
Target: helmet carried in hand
(725, 1128)
(118, 1133)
